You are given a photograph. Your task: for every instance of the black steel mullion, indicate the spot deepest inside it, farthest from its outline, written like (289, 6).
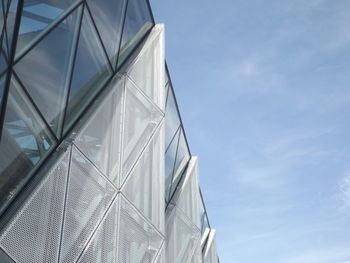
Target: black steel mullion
(99, 36)
(121, 35)
(70, 72)
(48, 30)
(33, 104)
(10, 66)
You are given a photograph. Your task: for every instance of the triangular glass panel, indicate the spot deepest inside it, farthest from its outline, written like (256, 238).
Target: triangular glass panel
(182, 158)
(138, 21)
(91, 71)
(37, 16)
(25, 141)
(45, 69)
(109, 17)
(141, 120)
(170, 157)
(172, 120)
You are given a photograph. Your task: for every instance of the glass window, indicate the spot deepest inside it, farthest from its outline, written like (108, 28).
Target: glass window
(91, 71)
(182, 158)
(170, 156)
(172, 120)
(109, 16)
(8, 13)
(138, 21)
(25, 141)
(44, 71)
(37, 16)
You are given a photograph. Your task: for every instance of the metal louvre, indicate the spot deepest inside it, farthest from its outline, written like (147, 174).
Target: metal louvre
(210, 254)
(34, 234)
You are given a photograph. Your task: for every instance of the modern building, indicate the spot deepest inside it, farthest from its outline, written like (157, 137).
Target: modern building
(94, 161)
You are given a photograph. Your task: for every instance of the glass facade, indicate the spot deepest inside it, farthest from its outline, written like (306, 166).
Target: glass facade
(94, 160)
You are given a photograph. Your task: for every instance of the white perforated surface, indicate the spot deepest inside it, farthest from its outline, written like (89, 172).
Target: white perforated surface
(103, 246)
(88, 197)
(145, 185)
(182, 237)
(148, 71)
(100, 138)
(140, 121)
(138, 241)
(33, 236)
(189, 200)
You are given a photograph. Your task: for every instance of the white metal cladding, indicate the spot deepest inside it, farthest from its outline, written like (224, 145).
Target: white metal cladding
(188, 198)
(182, 236)
(139, 241)
(141, 119)
(103, 200)
(88, 197)
(145, 184)
(100, 139)
(103, 245)
(34, 234)
(210, 255)
(148, 70)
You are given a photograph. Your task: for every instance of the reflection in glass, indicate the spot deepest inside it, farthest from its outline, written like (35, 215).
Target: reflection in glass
(170, 157)
(108, 16)
(138, 21)
(37, 16)
(182, 158)
(8, 14)
(91, 71)
(24, 143)
(44, 70)
(172, 120)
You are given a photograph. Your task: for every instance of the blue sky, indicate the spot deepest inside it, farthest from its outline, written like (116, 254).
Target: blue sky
(264, 92)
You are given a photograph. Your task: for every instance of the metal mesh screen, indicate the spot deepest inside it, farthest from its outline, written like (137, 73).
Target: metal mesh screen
(181, 237)
(138, 242)
(88, 197)
(145, 185)
(34, 234)
(103, 246)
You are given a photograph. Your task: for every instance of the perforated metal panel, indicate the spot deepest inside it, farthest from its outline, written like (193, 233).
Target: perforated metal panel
(139, 242)
(148, 70)
(100, 138)
(197, 255)
(145, 185)
(33, 236)
(181, 237)
(188, 199)
(140, 121)
(210, 254)
(103, 245)
(88, 197)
